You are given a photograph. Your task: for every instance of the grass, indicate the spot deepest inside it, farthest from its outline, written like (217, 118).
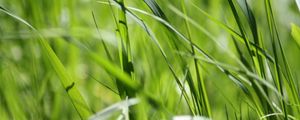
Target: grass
(150, 59)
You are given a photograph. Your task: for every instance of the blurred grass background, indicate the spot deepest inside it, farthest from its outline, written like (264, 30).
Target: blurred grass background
(31, 89)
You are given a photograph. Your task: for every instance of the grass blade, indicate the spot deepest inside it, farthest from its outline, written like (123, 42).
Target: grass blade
(69, 85)
(296, 33)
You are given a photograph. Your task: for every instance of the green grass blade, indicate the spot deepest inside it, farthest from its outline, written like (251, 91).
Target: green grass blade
(234, 33)
(126, 59)
(154, 39)
(241, 28)
(156, 9)
(102, 41)
(199, 78)
(279, 81)
(123, 78)
(69, 85)
(296, 33)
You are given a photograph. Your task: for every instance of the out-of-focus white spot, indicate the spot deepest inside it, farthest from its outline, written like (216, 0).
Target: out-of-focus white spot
(64, 18)
(188, 117)
(298, 4)
(16, 53)
(24, 79)
(37, 52)
(223, 42)
(109, 111)
(82, 71)
(107, 36)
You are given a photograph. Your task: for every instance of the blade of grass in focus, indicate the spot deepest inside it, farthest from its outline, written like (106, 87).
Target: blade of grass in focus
(199, 77)
(124, 49)
(281, 81)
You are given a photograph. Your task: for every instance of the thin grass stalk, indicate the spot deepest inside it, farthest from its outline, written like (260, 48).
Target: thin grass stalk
(289, 77)
(258, 62)
(278, 76)
(200, 80)
(124, 49)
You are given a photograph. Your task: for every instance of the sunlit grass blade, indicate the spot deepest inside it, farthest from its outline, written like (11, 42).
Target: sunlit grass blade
(296, 33)
(240, 71)
(68, 83)
(122, 77)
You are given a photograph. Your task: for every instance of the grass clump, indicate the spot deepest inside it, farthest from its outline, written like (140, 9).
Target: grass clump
(150, 59)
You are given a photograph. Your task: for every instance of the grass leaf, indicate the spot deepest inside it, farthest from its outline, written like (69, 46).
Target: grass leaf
(69, 85)
(296, 33)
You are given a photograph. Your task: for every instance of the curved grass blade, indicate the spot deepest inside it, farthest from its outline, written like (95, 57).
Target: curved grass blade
(277, 114)
(235, 34)
(69, 85)
(115, 71)
(244, 72)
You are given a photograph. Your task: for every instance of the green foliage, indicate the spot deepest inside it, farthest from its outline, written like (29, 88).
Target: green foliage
(296, 33)
(149, 59)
